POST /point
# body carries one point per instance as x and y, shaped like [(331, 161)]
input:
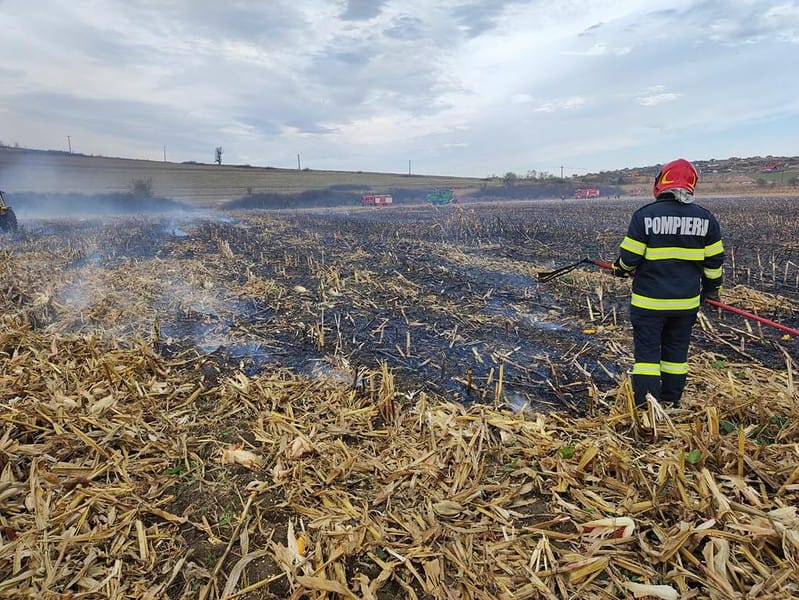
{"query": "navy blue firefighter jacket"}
[(676, 252)]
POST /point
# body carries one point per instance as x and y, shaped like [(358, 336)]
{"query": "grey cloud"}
[(55, 36), (268, 114), (250, 21), (262, 97), (143, 122), (153, 33), (313, 128), (249, 75), (479, 17), (339, 71), (405, 27), (402, 76), (362, 10), (262, 119), (103, 47), (10, 73), (356, 57), (591, 30), (385, 86), (729, 23)]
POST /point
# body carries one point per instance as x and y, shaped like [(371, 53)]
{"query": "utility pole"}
[(299, 168), (561, 171), (409, 167), (164, 153), (69, 142)]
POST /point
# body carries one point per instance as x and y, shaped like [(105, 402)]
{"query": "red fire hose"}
[(737, 311)]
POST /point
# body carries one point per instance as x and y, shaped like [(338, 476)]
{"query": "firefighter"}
[(674, 249)]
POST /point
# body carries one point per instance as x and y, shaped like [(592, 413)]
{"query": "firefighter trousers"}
[(661, 353)]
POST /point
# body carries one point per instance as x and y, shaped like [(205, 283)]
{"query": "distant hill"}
[(198, 184), (202, 185), (728, 175)]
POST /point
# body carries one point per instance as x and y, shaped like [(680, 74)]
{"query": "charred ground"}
[(446, 297)]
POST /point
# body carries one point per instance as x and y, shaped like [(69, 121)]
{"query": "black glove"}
[(618, 270), (709, 295)]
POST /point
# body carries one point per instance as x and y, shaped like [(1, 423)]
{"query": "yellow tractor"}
[(8, 220)]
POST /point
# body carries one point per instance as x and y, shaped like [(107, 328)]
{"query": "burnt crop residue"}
[(445, 298)]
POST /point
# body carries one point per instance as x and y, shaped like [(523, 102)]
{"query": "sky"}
[(449, 87)]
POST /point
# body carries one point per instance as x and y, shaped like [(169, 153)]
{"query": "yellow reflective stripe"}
[(673, 368), (633, 246), (714, 249), (664, 304), (675, 252), (713, 273), (646, 369), (624, 265)]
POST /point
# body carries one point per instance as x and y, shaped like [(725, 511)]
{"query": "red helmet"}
[(677, 174)]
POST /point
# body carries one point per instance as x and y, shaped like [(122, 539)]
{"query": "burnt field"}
[(446, 297), (386, 402)]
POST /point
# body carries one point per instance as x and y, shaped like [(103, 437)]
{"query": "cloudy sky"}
[(460, 87)]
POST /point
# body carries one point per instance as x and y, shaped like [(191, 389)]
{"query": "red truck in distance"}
[(377, 200), (585, 193)]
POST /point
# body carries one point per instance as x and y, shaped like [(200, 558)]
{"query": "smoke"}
[(52, 184), (21, 170), (120, 275), (31, 206), (174, 229)]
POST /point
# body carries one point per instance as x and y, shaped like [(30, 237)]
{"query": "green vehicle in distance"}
[(441, 196)]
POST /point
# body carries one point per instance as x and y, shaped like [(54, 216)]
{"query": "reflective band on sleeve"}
[(664, 304), (676, 253), (714, 249), (633, 246), (624, 265), (646, 369), (673, 368), (713, 273)]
